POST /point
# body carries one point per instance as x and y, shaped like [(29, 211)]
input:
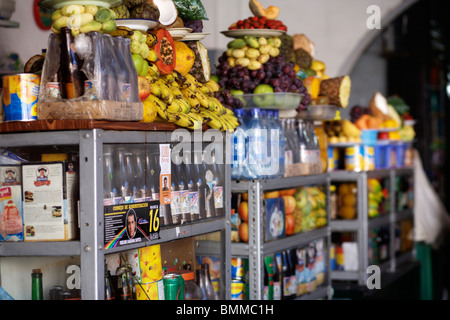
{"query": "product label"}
[(184, 201), (194, 202), (266, 293), (175, 203), (276, 291), (218, 197)]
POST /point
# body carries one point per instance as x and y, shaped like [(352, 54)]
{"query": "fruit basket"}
[(275, 100), (318, 112)]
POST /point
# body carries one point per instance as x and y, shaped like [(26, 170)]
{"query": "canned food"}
[(354, 160), (173, 289), (53, 90), (150, 291), (237, 268), (20, 96), (333, 159), (369, 157), (237, 289)]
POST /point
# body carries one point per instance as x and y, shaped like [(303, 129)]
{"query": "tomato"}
[(289, 224)]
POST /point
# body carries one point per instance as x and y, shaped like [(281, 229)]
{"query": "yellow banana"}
[(168, 78), (195, 116), (166, 93), (160, 106), (153, 70), (216, 122), (187, 93), (176, 91), (203, 88), (184, 120), (151, 39), (155, 89), (173, 117), (122, 31), (152, 56), (205, 102), (175, 106), (179, 78), (214, 86), (151, 78), (218, 107), (184, 104), (193, 102)]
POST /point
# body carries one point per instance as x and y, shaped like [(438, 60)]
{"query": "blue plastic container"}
[(369, 137), (381, 160), (400, 150)]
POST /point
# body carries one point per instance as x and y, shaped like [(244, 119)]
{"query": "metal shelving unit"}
[(90, 247), (363, 223), (256, 248)]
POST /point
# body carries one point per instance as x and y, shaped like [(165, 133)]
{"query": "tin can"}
[(89, 90), (150, 291), (173, 287), (333, 159), (369, 157), (53, 90), (354, 160), (237, 289), (20, 96), (237, 268)]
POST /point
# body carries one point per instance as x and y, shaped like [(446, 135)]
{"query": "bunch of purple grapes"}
[(305, 102), (195, 25), (228, 100), (276, 72), (357, 112)]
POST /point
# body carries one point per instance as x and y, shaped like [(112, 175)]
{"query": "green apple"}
[(138, 62), (263, 97), (238, 93), (215, 78)]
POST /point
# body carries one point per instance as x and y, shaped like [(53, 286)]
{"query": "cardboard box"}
[(11, 222), (90, 110)]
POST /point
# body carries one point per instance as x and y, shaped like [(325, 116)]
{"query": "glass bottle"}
[(184, 190), (72, 78), (288, 152), (124, 283), (175, 195), (219, 176), (36, 285), (192, 178), (201, 183), (109, 190), (304, 144), (109, 291), (142, 190), (128, 75), (208, 179), (205, 283)]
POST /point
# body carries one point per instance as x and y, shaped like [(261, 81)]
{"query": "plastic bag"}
[(191, 10)]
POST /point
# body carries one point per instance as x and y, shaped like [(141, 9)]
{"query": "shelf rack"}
[(256, 248), (362, 224), (89, 139)]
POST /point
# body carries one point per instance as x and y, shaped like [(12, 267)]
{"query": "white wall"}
[(336, 26)]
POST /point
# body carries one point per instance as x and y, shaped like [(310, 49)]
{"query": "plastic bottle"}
[(281, 144), (277, 277), (191, 290), (239, 142), (123, 176), (304, 144), (184, 191), (295, 142), (287, 276), (109, 291), (288, 153), (142, 190), (257, 146), (128, 75), (208, 179), (273, 146), (36, 285), (313, 146)]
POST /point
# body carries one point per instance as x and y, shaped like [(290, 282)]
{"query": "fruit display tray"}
[(57, 4), (253, 32), (276, 100), (137, 24), (319, 112)]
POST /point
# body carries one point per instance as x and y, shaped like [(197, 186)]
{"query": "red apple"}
[(143, 87)]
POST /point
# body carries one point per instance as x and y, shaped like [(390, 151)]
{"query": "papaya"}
[(165, 49), (185, 58)]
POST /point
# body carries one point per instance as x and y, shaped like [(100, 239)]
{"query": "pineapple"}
[(337, 90), (201, 70)]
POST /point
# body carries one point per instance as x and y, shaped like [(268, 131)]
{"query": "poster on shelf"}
[(274, 224), (165, 173), (44, 204), (130, 223), (11, 223)]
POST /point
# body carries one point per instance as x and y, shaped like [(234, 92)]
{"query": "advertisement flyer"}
[(131, 223)]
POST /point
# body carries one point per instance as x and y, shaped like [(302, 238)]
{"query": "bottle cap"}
[(255, 112), (188, 275)]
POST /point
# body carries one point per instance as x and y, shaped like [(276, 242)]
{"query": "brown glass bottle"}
[(72, 78)]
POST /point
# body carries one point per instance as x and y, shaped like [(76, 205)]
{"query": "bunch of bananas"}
[(182, 100)]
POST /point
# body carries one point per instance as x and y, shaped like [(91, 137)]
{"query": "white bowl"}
[(7, 7)]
